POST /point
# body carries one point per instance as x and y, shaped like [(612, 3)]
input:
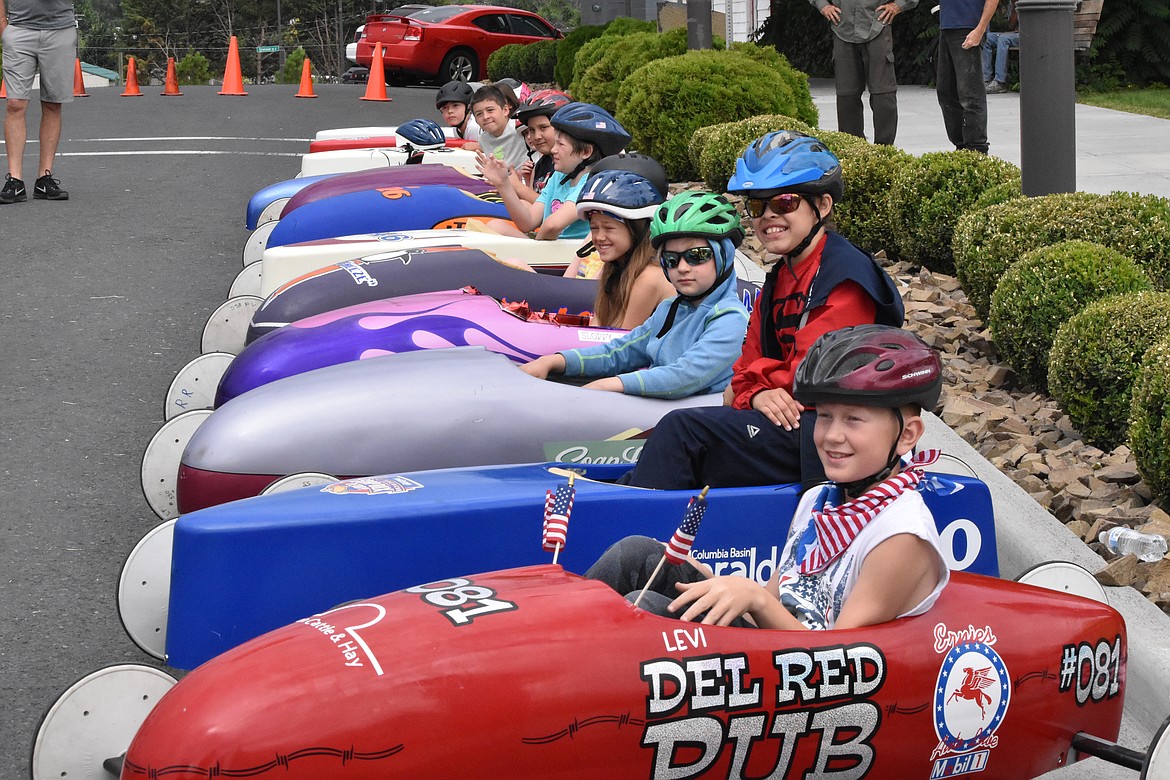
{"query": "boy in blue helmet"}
[(690, 341), (820, 283), (585, 134)]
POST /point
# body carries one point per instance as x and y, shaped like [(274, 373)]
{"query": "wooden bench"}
[(1085, 20)]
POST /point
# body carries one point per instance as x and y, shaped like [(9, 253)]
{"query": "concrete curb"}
[(1026, 534)]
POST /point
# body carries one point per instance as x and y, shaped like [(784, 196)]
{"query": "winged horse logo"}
[(972, 688)]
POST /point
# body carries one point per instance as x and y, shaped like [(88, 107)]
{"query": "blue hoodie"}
[(694, 356)]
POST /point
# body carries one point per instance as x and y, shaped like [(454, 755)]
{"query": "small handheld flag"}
[(679, 546), (557, 508)]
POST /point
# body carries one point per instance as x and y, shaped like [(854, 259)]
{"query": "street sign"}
[(267, 49)]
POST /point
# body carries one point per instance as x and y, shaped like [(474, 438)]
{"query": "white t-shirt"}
[(471, 131), (816, 599)]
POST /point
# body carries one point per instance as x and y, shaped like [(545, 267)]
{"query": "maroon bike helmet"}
[(870, 365)]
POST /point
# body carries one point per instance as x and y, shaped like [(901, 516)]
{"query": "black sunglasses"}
[(784, 203), (697, 255)]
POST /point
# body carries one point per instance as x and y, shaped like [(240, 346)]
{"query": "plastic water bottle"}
[(1127, 541)]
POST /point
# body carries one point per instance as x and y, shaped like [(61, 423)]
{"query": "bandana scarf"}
[(838, 526)]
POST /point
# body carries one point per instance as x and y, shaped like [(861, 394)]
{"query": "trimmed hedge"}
[(592, 51), (929, 196), (714, 149), (567, 49), (602, 81), (533, 62), (863, 214), (1095, 358), (1149, 421), (989, 240), (1044, 289), (662, 103)]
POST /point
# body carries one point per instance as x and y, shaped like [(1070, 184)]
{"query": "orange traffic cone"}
[(132, 89), (172, 86), (78, 80), (233, 78), (3, 90), (376, 84), (306, 81)]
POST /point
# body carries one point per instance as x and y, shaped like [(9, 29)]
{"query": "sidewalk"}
[(1115, 150)]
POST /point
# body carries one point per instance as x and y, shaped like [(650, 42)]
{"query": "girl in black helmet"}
[(862, 549), (585, 134), (454, 103)]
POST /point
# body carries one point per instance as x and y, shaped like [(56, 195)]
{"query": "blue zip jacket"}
[(694, 356)]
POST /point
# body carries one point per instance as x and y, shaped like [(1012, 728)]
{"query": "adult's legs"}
[(1004, 43), (50, 135), (962, 94), (849, 80), (883, 86), (15, 136)]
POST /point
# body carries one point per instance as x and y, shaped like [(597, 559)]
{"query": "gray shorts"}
[(51, 51)]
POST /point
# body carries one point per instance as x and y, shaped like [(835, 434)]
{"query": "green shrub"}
[(797, 80), (193, 69), (567, 49), (593, 50), (504, 62), (988, 241), (713, 150), (863, 215), (293, 64), (662, 103), (602, 81), (1095, 358), (1149, 421), (929, 196), (1045, 288), (1000, 193)]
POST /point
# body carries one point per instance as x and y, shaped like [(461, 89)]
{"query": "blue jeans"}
[(995, 48)]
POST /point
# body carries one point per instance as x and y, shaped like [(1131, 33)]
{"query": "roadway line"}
[(175, 152)]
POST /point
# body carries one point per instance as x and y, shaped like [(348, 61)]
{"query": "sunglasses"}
[(784, 203), (694, 256)]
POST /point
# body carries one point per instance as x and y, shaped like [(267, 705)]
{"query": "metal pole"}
[(340, 43), (1048, 139), (279, 36), (699, 24)]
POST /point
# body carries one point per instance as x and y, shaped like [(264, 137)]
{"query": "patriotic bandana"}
[(838, 526)]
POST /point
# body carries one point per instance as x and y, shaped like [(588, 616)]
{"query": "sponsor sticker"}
[(372, 486)]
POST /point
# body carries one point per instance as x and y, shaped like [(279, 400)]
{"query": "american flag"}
[(679, 545), (557, 507)]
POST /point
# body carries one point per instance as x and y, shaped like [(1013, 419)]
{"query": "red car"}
[(448, 42)]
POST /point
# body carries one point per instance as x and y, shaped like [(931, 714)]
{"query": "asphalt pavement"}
[(104, 298)]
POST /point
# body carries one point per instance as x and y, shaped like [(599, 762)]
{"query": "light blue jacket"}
[(694, 356)]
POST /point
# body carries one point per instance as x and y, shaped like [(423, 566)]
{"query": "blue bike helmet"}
[(787, 161), (422, 133), (642, 164), (621, 194), (593, 125)]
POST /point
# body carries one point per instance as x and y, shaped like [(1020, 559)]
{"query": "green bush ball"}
[(1149, 421), (1046, 287), (1095, 357)]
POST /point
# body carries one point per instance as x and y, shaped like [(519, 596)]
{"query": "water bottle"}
[(1127, 541)]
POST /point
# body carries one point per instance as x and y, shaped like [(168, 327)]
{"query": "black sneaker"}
[(48, 188), (13, 191)]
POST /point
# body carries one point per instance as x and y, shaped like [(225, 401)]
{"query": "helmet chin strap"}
[(720, 279), (859, 486), (803, 245)]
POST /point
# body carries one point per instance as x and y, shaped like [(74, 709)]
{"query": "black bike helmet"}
[(454, 92), (642, 164), (546, 102), (422, 133), (593, 125), (869, 365)]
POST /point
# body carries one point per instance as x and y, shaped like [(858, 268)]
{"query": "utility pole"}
[(1048, 139), (699, 24), (340, 43), (279, 37)]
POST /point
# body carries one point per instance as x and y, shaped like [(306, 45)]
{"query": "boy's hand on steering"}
[(779, 407), (723, 599)]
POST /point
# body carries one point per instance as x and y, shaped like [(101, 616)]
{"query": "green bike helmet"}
[(700, 214)]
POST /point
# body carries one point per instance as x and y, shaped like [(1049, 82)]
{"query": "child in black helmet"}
[(453, 100), (862, 549)]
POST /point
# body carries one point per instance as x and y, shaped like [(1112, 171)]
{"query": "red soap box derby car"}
[(538, 673)]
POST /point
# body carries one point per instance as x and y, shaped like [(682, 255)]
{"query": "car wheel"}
[(458, 65)]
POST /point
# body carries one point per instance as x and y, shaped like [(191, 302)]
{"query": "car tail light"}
[(412, 34)]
